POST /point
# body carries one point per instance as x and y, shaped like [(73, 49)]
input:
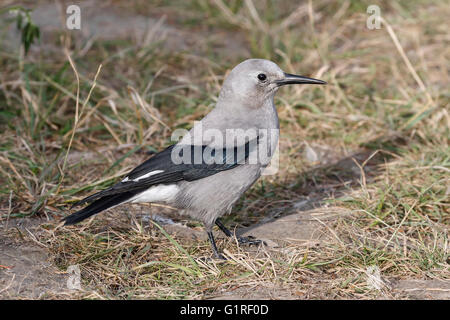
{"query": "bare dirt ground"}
[(27, 271)]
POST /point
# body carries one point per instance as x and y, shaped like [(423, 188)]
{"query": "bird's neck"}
[(224, 121), (233, 114)]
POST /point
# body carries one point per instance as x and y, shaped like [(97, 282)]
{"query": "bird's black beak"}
[(294, 79)]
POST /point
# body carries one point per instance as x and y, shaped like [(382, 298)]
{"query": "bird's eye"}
[(262, 77)]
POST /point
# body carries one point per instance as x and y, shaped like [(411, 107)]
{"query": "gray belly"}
[(209, 198)]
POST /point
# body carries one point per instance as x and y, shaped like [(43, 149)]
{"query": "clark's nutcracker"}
[(214, 163)]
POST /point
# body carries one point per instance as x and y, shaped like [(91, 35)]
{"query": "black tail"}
[(98, 206)]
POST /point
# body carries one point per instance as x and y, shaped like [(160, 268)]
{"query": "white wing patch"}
[(160, 193), (151, 173)]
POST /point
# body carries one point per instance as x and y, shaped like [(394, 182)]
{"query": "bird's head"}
[(255, 80)]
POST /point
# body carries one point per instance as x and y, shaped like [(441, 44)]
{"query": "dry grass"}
[(382, 124)]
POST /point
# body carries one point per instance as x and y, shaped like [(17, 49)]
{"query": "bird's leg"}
[(224, 229), (217, 254), (242, 240)]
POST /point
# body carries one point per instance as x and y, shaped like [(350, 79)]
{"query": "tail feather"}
[(92, 197), (98, 206)]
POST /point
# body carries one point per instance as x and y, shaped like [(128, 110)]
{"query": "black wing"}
[(171, 172)]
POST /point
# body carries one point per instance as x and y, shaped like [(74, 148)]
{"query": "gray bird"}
[(214, 163)]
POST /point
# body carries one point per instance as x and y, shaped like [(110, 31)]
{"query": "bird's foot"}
[(241, 240), (217, 258), (250, 241)]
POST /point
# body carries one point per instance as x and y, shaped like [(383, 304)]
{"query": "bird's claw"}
[(250, 241)]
